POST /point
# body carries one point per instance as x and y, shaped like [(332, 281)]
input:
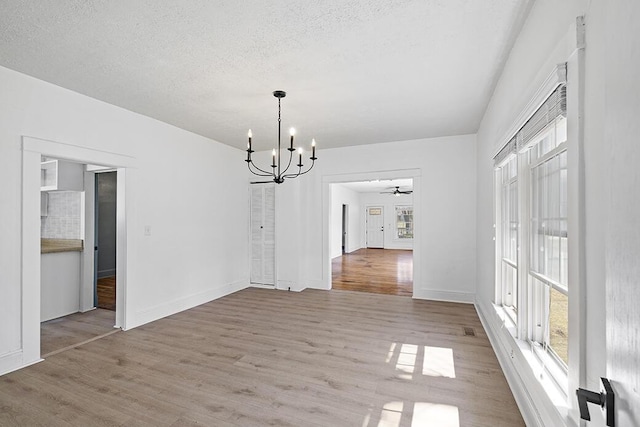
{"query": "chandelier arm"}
[(292, 175), (264, 173), (313, 162), (288, 165), (300, 171)]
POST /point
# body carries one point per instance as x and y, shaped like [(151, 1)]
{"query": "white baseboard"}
[(318, 284), (184, 303), (290, 285), (449, 296), (13, 361)]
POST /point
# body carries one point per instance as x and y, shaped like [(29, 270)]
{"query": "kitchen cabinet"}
[(59, 284), (61, 175)]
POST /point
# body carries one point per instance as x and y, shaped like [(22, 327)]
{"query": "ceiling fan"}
[(397, 191)]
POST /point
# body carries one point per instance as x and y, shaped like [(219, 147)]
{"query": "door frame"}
[(32, 151), (327, 180), (93, 176)]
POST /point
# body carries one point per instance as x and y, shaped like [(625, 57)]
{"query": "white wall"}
[(546, 40), (341, 195), (389, 203), (192, 192), (622, 184), (444, 178)]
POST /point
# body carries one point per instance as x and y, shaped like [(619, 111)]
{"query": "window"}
[(404, 222), (548, 254), (531, 231), (509, 230)]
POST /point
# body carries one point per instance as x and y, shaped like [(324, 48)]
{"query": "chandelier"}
[(277, 173)]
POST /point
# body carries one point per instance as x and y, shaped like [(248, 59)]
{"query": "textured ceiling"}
[(355, 72)]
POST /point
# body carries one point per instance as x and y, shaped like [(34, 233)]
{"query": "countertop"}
[(49, 246)]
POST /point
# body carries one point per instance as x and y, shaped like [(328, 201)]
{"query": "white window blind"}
[(554, 107)]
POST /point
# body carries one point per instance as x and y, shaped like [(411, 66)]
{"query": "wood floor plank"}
[(264, 357), (380, 271), (66, 331), (106, 293)]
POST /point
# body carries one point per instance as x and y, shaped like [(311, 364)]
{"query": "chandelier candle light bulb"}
[(277, 174), (292, 132)]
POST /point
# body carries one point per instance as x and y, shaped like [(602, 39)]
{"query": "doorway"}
[(32, 151), (345, 226), (75, 204), (106, 191), (369, 222)]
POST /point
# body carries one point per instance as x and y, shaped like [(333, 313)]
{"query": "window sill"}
[(549, 376)]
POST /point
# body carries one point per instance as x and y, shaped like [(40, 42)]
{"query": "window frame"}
[(531, 322), (509, 305), (397, 229), (539, 304)]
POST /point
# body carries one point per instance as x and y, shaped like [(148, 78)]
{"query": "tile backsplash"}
[(65, 216)]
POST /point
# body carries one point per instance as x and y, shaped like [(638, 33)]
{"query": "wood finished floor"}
[(106, 289), (262, 357), (61, 333), (380, 271)]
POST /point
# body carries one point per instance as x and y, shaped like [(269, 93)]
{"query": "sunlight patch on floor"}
[(433, 414), (407, 360), (392, 350), (438, 362), (391, 414)]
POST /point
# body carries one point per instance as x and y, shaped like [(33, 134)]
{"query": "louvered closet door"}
[(263, 227)]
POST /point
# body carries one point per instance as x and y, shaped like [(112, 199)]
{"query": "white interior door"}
[(375, 227), (263, 234)]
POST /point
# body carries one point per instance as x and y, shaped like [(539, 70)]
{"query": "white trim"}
[(77, 153), (32, 150), (531, 387), (557, 77), (576, 222), (327, 180), (13, 361), (448, 296)]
